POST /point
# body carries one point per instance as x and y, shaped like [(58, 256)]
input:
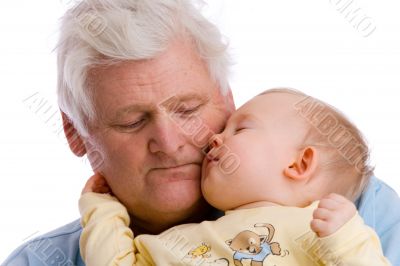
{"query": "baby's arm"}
[(343, 236), (106, 238)]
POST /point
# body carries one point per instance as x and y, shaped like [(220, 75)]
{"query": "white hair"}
[(103, 32)]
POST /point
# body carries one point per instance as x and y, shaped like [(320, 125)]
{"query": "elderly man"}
[(142, 85)]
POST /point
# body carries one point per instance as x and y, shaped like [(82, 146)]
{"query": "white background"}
[(308, 45)]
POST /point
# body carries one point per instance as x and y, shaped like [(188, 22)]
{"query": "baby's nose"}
[(213, 150), (215, 141)]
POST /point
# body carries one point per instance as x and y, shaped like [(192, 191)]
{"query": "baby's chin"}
[(212, 193)]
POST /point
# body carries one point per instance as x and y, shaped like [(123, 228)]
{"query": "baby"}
[(285, 170)]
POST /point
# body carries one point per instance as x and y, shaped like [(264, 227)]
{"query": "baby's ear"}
[(304, 166)]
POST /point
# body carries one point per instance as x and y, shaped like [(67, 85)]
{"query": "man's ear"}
[(304, 166), (75, 141)]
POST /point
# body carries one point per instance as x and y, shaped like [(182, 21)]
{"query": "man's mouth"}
[(174, 166), (188, 171)]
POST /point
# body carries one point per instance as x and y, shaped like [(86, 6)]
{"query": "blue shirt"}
[(379, 206), (260, 257)]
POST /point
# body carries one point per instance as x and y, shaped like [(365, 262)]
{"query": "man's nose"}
[(166, 137)]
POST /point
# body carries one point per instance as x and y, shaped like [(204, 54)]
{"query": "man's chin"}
[(179, 196), (175, 189), (173, 212)]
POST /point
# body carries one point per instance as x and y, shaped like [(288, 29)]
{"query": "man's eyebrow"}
[(175, 99), (187, 97), (138, 107)]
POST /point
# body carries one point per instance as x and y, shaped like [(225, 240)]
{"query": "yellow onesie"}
[(273, 236)]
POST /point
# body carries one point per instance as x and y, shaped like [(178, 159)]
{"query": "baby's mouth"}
[(212, 157)]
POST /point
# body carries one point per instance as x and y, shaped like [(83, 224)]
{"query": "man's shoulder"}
[(58, 247), (377, 205)]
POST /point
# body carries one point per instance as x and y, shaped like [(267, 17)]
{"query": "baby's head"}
[(287, 148)]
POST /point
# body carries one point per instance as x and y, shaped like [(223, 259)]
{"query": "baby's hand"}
[(96, 183), (333, 212)]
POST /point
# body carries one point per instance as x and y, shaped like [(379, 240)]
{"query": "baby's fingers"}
[(322, 214), (96, 183), (320, 227), (329, 204)]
